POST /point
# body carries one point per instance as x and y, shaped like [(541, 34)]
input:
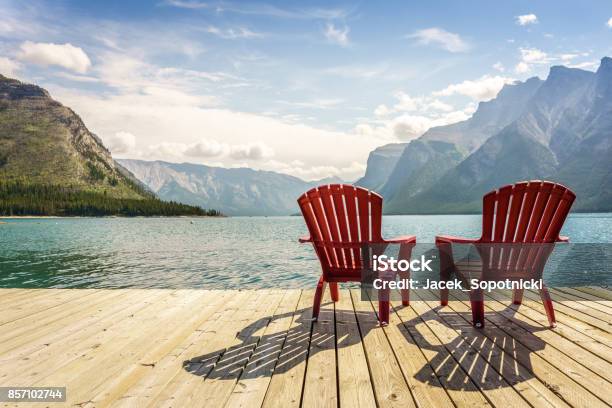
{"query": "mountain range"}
[(559, 129), (237, 191)]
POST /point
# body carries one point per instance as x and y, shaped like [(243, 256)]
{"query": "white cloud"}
[(233, 33), (591, 65), (349, 172), (484, 88), (262, 9), (568, 57), (407, 103), (609, 23), (64, 55), (76, 77), (120, 142), (337, 35), (534, 56), (408, 127), (526, 19), (251, 151), (382, 110), (206, 148), (499, 66), (522, 68), (320, 103), (363, 129), (167, 150), (438, 105), (530, 56), (9, 67), (449, 41)]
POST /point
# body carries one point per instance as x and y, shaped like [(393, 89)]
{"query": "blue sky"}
[(306, 88)]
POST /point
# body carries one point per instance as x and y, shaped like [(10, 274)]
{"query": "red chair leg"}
[(446, 266), (444, 297), (316, 306), (548, 306), (477, 301), (405, 253), (383, 306), (405, 292), (517, 296), (383, 312), (333, 288)]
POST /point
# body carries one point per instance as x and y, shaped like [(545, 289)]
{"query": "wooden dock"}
[(190, 348)]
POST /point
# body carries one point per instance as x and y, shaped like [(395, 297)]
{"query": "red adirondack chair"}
[(341, 219), (520, 224)]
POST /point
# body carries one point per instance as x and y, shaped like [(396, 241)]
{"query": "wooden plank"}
[(232, 354), (142, 392), (414, 364), (573, 298), (447, 372), (390, 387), (577, 337), (100, 364), (502, 354), (13, 297), (354, 385), (556, 371), (582, 295), (33, 328), (468, 354), (250, 390), (427, 359), (572, 343), (219, 383), (567, 316), (285, 389), (320, 380), (51, 299), (57, 348), (604, 294), (216, 335), (109, 391), (575, 310)]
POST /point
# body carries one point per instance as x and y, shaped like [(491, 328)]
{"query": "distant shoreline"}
[(34, 217)]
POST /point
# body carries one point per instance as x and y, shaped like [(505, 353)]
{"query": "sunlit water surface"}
[(238, 252)]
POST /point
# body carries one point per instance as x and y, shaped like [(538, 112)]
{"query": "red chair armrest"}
[(304, 239), (403, 239), (449, 239), (562, 239)]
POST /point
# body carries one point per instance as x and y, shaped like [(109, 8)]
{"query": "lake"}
[(214, 253)]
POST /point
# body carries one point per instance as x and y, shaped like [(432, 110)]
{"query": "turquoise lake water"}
[(240, 252)]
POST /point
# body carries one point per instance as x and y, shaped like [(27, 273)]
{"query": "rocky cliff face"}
[(425, 160), (381, 163), (44, 142), (563, 134)]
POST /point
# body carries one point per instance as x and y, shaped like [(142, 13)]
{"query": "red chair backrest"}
[(526, 212), (341, 218), (522, 222)]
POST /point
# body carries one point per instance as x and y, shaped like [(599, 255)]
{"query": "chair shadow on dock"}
[(460, 355)]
